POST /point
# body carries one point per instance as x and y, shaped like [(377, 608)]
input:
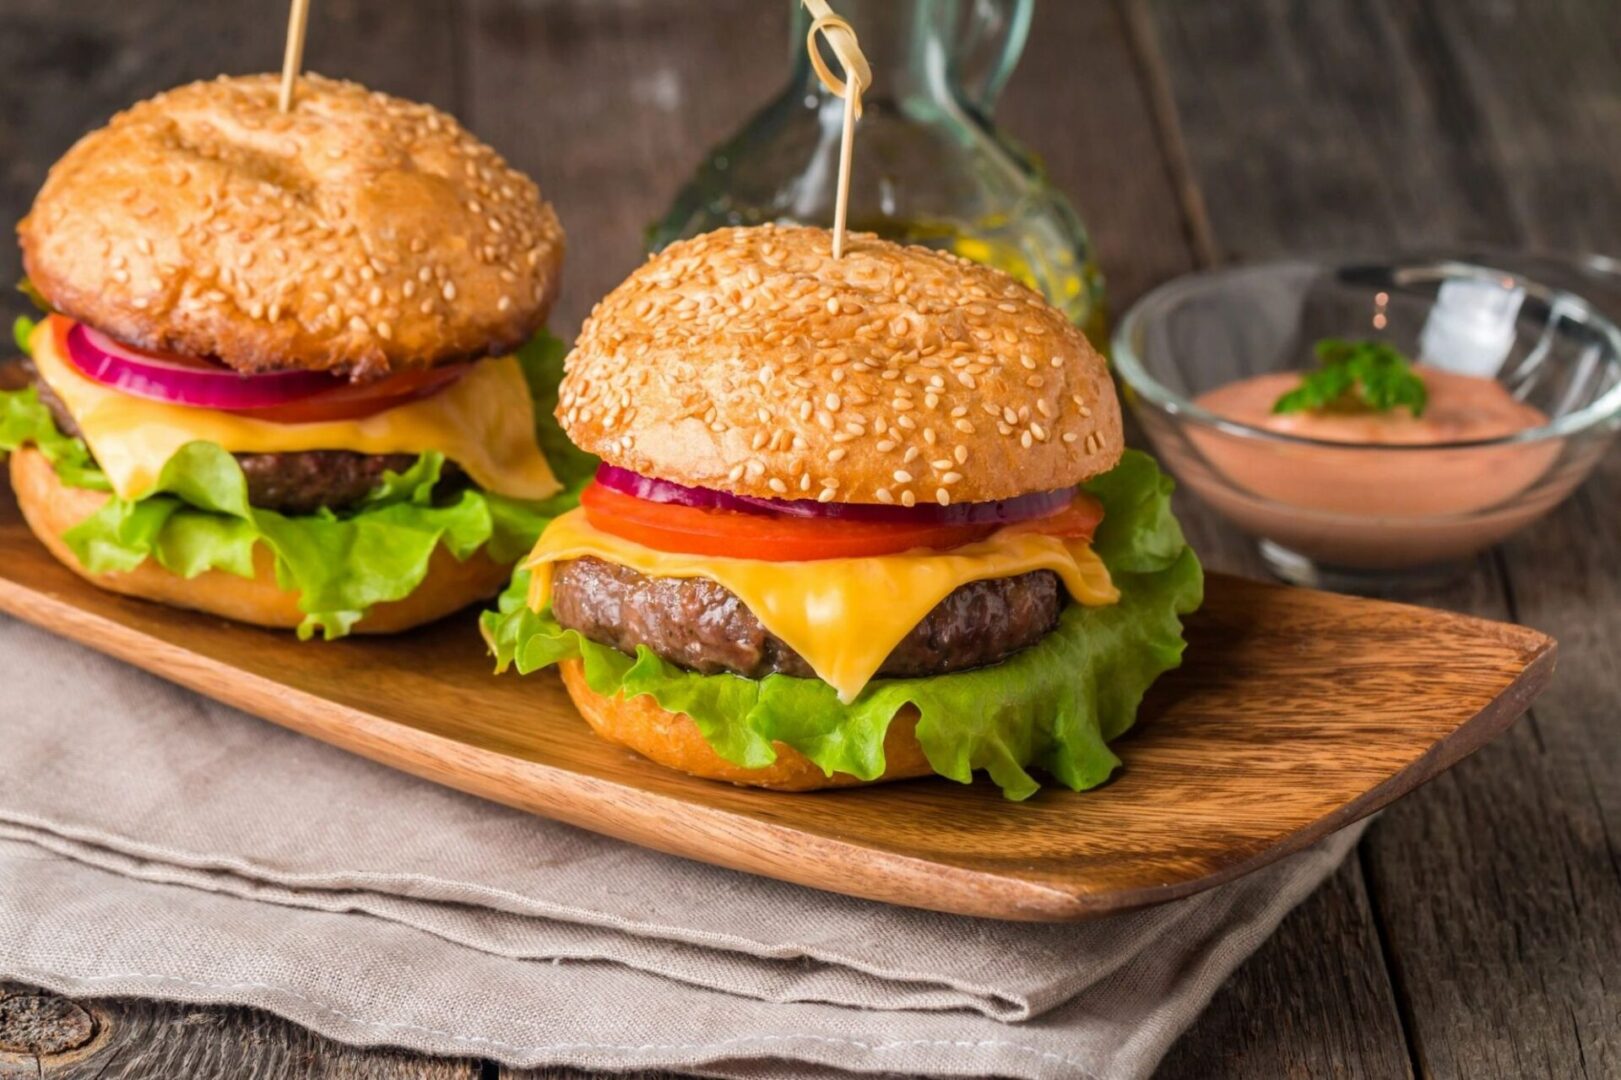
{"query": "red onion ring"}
[(177, 382), (1001, 512)]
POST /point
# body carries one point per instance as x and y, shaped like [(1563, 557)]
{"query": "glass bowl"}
[(1362, 516)]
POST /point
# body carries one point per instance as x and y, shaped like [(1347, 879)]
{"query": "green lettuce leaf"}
[(1054, 706), (197, 516)]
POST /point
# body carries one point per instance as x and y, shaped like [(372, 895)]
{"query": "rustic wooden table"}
[(1477, 932)]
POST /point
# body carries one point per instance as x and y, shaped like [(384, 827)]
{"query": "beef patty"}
[(300, 482), (698, 624)]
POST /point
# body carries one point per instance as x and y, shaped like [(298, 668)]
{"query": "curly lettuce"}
[(197, 517), (1053, 707)]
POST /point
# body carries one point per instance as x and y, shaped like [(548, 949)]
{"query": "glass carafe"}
[(929, 165)]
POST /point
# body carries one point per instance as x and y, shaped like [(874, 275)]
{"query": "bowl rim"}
[(1136, 377)]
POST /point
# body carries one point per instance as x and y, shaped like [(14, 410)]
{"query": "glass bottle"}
[(929, 165)]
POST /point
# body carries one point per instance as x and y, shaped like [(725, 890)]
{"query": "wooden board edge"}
[(1467, 738), (711, 835), (719, 836)]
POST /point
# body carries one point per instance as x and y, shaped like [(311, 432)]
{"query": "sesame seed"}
[(884, 496), (942, 496), (1070, 436), (902, 476), (908, 499), (836, 454), (777, 485)]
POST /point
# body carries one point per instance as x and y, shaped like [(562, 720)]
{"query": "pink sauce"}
[(1371, 505)]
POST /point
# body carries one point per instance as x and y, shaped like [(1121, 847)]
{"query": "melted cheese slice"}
[(844, 616), (484, 422)]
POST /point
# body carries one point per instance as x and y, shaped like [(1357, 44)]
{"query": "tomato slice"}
[(352, 402), (1077, 521), (730, 534)]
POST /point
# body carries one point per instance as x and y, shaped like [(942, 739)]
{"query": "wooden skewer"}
[(841, 38), (298, 20)]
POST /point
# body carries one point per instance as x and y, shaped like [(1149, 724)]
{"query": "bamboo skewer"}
[(841, 38), (298, 20)]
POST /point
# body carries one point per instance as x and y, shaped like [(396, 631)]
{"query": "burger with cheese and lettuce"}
[(292, 364), (856, 519)]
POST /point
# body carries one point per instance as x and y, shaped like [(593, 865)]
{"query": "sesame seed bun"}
[(674, 741), (749, 360), (51, 508), (359, 233)]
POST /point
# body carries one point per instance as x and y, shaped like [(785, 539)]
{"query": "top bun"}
[(358, 233), (749, 360)]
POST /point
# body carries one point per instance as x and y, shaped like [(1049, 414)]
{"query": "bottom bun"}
[(673, 740), (51, 508)]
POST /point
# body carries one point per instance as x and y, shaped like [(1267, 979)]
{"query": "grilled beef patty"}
[(300, 482), (698, 624)]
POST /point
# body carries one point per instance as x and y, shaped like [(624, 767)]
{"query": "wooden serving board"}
[(1296, 713)]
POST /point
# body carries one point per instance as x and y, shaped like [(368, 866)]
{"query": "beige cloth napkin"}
[(155, 843)]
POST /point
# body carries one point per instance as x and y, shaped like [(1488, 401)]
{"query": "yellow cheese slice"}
[(484, 422), (844, 616)]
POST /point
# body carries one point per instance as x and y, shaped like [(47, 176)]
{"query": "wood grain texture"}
[(1314, 1001), (131, 1039), (1296, 712)]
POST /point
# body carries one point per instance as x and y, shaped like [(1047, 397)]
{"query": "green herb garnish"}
[(1356, 376), (22, 330)]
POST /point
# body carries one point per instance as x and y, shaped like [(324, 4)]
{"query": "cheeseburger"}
[(288, 364), (856, 519)]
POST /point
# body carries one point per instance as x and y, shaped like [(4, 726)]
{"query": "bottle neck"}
[(906, 42)]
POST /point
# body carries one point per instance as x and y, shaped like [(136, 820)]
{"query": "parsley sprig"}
[(1356, 376)]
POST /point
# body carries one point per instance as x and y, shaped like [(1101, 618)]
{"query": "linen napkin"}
[(155, 843)]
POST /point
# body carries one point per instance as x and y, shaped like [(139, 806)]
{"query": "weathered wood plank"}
[(1539, 845), (46, 1037), (1272, 1018), (1382, 126)]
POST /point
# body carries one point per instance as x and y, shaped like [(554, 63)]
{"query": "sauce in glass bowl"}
[(1524, 396), (1461, 409)]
